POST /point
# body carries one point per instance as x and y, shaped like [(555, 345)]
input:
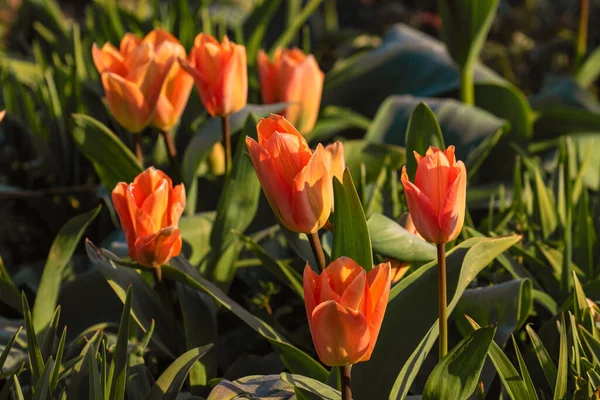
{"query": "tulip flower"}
[(436, 200), (178, 83), (2, 114), (345, 306), (133, 78), (149, 210), (297, 181), (295, 78), (220, 73)]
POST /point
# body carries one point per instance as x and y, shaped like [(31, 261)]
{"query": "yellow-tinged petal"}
[(126, 102)]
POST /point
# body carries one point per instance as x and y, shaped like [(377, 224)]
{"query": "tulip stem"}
[(442, 301), (227, 143), (346, 382), (137, 148), (172, 152), (317, 249)]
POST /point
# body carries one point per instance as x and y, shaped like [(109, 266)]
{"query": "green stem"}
[(442, 301), (172, 153), (582, 33), (137, 148), (467, 88), (226, 143), (315, 245), (331, 16), (346, 382)]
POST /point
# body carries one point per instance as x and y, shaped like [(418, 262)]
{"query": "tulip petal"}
[(379, 289), (276, 123), (432, 178), (267, 73), (309, 280), (156, 249), (129, 43), (337, 164), (156, 203), (119, 198), (343, 271), (287, 155), (452, 214), (424, 215), (126, 102), (233, 82), (356, 292), (340, 335), (177, 203), (276, 189), (326, 292), (108, 59)]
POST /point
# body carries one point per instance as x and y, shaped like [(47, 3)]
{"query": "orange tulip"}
[(149, 210), (178, 84), (220, 73), (436, 201), (297, 181), (296, 78), (133, 78), (2, 114), (345, 306)]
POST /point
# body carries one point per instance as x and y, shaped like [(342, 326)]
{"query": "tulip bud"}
[(149, 210), (220, 73), (295, 78), (297, 181), (345, 306), (133, 79), (216, 160), (436, 200), (178, 83)]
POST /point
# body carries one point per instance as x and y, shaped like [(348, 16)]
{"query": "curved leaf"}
[(422, 131)]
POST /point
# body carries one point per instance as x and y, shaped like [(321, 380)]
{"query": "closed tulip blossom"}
[(149, 210), (436, 199), (220, 73), (133, 77), (295, 78), (296, 180), (345, 306)]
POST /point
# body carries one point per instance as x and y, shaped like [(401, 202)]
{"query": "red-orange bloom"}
[(436, 200), (133, 78), (149, 210), (296, 181), (296, 78), (220, 73), (345, 306), (2, 114)]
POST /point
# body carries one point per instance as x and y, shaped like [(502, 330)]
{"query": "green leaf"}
[(390, 239), (236, 210), (96, 392), (589, 71), (472, 130), (550, 371), (507, 304), (8, 291), (169, 383), (513, 383), (422, 131), (333, 120), (560, 390), (43, 384), (284, 273), (146, 305), (375, 378), (60, 254), (117, 374), (49, 336), (255, 27), (59, 360), (457, 374), (36, 362), (350, 232), (294, 25), (112, 160), (7, 347), (524, 371), (311, 386), (374, 157), (465, 25)]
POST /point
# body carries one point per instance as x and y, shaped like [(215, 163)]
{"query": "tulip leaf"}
[(422, 131), (112, 160), (146, 305), (117, 374), (457, 374), (389, 239), (375, 378), (472, 130), (310, 386), (36, 362), (355, 83), (333, 120), (350, 232), (513, 383), (60, 254), (169, 383), (236, 210), (210, 133), (560, 389), (465, 25), (507, 304), (374, 156)]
